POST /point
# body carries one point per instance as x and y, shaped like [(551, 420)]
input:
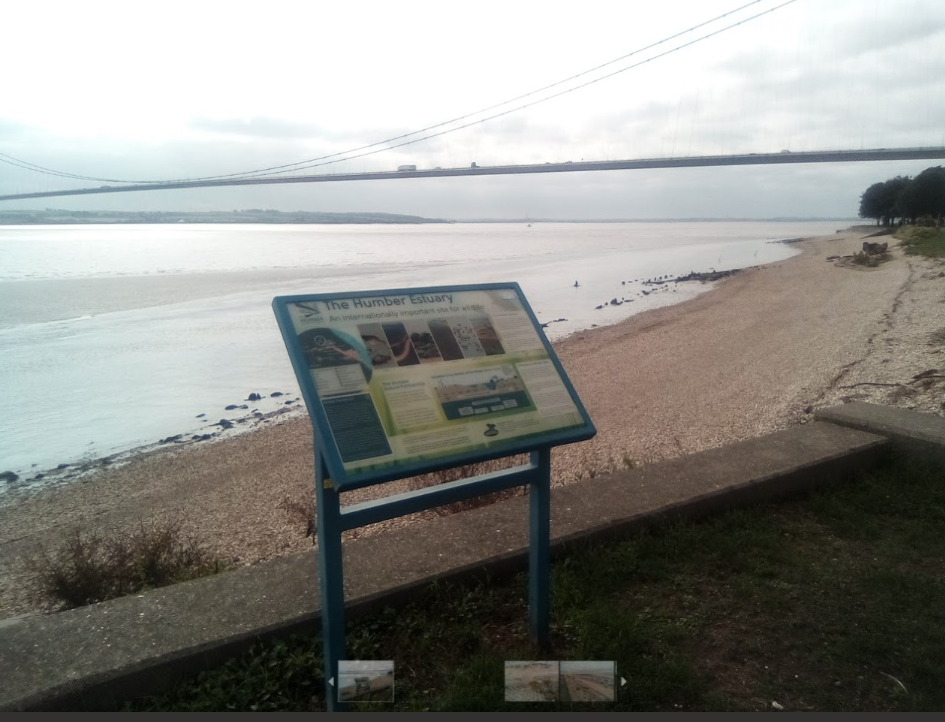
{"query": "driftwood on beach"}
[(708, 276), (692, 276), (874, 249)]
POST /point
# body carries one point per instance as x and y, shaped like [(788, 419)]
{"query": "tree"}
[(871, 202), (924, 195), (882, 200)]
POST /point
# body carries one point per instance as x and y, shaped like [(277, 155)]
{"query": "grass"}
[(88, 568), (835, 601), (922, 241)]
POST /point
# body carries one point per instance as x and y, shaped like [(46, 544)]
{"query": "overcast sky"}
[(184, 89)]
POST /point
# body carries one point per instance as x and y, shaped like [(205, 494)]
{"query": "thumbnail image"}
[(423, 341), (531, 681), (487, 335), (325, 347), (377, 347), (365, 680), (590, 681), (467, 394), (478, 384), (466, 337), (400, 344), (445, 340)]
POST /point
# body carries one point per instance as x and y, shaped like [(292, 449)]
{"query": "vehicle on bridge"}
[(406, 167)]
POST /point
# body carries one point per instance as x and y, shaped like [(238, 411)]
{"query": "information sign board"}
[(404, 381)]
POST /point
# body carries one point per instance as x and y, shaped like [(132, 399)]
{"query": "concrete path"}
[(919, 435)]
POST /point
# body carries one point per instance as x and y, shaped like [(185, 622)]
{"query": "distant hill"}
[(62, 217), (781, 219)]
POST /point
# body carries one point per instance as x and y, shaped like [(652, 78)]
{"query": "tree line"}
[(905, 200)]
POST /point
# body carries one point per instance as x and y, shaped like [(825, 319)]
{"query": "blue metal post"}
[(539, 542), (331, 574)]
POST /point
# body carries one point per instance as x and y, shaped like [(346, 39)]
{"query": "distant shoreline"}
[(57, 217), (784, 219)]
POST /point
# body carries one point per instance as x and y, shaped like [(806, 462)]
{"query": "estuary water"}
[(113, 337)]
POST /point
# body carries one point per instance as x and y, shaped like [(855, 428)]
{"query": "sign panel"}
[(399, 382)]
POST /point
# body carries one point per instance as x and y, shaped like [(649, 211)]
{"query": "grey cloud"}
[(850, 31), (866, 36), (520, 126), (258, 127), (890, 106), (12, 130), (275, 128)]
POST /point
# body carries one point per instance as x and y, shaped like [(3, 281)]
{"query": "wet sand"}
[(758, 353)]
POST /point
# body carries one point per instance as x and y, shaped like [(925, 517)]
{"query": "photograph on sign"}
[(587, 681), (365, 680), (530, 681), (409, 377)]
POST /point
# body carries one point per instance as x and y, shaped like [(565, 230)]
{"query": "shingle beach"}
[(758, 353)]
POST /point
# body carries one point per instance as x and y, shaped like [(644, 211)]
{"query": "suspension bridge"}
[(781, 158)]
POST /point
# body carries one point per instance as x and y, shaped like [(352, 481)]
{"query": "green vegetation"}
[(835, 601), (89, 568), (906, 199), (923, 241)]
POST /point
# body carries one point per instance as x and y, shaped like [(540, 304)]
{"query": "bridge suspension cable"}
[(402, 140)]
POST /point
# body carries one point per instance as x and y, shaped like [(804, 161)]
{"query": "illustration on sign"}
[(410, 377)]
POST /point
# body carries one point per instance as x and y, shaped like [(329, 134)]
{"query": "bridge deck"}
[(782, 158)]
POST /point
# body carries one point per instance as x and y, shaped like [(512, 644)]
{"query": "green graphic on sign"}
[(406, 378)]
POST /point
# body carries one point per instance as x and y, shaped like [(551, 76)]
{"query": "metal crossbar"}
[(333, 519)]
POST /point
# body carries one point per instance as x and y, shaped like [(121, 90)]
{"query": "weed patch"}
[(869, 260), (300, 510), (88, 568)]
